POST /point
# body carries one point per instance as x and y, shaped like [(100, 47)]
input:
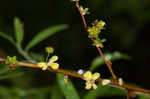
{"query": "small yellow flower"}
[(100, 24), (94, 32), (42, 65), (49, 50), (52, 63), (90, 79)]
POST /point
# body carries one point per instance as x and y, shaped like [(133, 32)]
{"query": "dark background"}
[(127, 31)]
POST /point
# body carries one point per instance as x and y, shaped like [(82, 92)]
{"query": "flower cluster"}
[(95, 30), (51, 63), (11, 60), (90, 79)]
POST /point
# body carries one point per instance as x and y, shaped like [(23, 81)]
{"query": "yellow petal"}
[(41, 64), (54, 66), (44, 67), (95, 76), (53, 58), (87, 75), (94, 86), (88, 85)]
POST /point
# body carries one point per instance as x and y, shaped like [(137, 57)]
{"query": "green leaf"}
[(9, 38), (22, 93), (110, 90), (143, 95), (45, 34), (37, 56), (67, 88), (98, 61), (6, 76), (105, 91), (56, 93), (4, 70), (19, 31)]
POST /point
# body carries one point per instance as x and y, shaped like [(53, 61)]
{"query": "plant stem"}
[(47, 57), (107, 62), (74, 74)]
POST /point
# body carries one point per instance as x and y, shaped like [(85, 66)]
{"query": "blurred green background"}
[(127, 31)]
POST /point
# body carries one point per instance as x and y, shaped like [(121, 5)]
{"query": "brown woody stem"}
[(74, 74)]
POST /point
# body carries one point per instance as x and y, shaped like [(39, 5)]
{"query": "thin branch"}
[(107, 62), (74, 74)]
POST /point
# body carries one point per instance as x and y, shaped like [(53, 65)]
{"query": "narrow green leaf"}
[(45, 34), (4, 70), (10, 75), (67, 88), (37, 56), (143, 95), (105, 91), (9, 38), (19, 31), (98, 61), (56, 92)]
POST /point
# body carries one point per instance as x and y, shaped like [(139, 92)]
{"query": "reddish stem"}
[(107, 62)]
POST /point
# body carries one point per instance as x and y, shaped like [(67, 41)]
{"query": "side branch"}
[(107, 62), (74, 74)]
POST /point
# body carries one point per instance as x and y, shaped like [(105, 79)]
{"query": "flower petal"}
[(95, 76), (41, 64), (94, 86), (87, 75), (54, 66), (53, 58), (44, 67), (88, 85)]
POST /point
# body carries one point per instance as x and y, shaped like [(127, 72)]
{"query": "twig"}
[(74, 74), (107, 62)]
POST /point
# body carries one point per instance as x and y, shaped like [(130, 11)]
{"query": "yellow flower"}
[(90, 79), (100, 24), (52, 63), (93, 32), (42, 65)]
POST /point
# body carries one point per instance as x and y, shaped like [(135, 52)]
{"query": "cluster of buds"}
[(49, 50), (84, 11), (11, 60), (95, 30)]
